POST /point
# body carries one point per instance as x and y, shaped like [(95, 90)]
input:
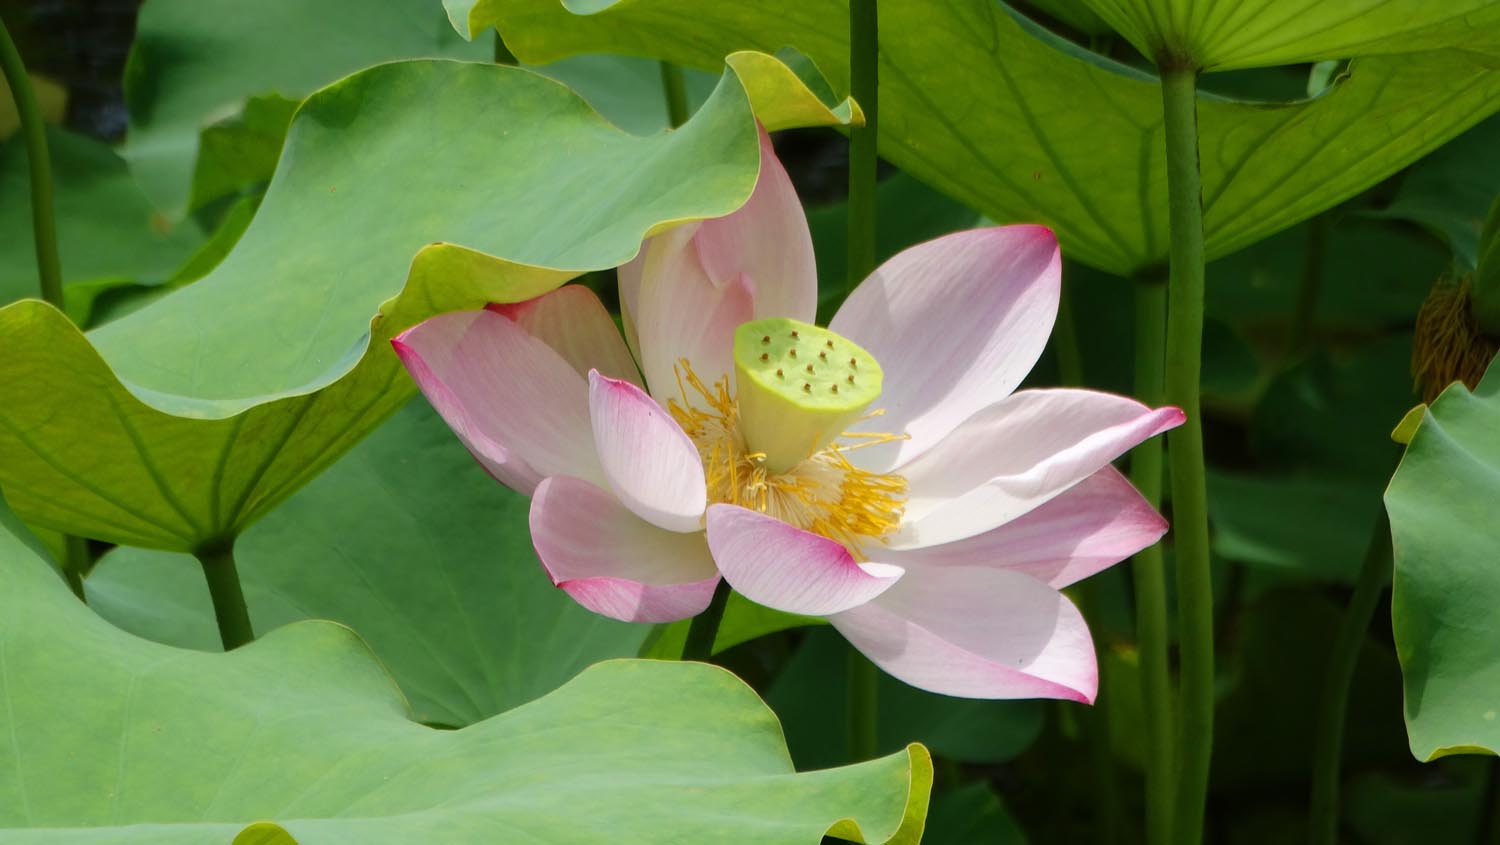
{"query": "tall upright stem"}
[(1065, 342), (228, 598), (674, 90), (1149, 570), (43, 221), (704, 629), (864, 75), (1185, 450), (1328, 738)]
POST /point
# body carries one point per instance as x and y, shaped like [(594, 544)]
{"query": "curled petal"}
[(783, 567), (614, 563), (956, 323), (1087, 528), (651, 464), (973, 632), (520, 408), (574, 323), (1016, 455)]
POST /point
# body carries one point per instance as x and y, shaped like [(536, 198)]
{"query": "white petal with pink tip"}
[(614, 563), (766, 239), (520, 408), (1015, 455), (1087, 528), (783, 567), (977, 633), (574, 323), (956, 323), (651, 464)]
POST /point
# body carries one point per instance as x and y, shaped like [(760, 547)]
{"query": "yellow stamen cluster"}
[(824, 494)]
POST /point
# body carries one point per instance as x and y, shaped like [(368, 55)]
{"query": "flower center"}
[(818, 490)]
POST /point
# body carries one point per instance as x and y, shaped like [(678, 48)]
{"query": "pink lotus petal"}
[(519, 407), (612, 562), (783, 567), (681, 313), (977, 633), (1087, 528), (1013, 456), (574, 323), (766, 239), (651, 464), (956, 323)]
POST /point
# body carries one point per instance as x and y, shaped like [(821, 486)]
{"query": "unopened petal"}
[(614, 563), (651, 464), (783, 567), (977, 633)]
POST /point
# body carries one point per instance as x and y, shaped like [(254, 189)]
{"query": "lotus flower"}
[(881, 472)]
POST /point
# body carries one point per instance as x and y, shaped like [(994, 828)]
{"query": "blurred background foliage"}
[(1306, 371)]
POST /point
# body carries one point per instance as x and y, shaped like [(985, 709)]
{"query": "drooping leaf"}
[(1225, 34), (1447, 578), (407, 541), (182, 423), (189, 70), (1025, 127), (108, 234), (302, 738), (1451, 191)]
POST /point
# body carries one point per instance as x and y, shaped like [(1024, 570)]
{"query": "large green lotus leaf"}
[(1226, 34), (1447, 576), (301, 737), (405, 190), (407, 541), (1024, 126), (108, 234), (196, 62)]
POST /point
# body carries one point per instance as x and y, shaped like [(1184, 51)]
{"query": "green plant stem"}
[(43, 220), (1185, 452), (864, 687), (1328, 738), (1065, 342), (674, 88), (864, 74), (1149, 570), (228, 598), (699, 644)]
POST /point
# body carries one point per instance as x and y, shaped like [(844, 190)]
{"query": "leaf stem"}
[(1304, 319), (674, 88), (43, 221), (1149, 570), (1328, 737), (863, 715), (704, 629), (228, 597), (864, 75), (1185, 450)]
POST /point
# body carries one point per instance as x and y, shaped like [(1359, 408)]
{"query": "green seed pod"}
[(799, 387)]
